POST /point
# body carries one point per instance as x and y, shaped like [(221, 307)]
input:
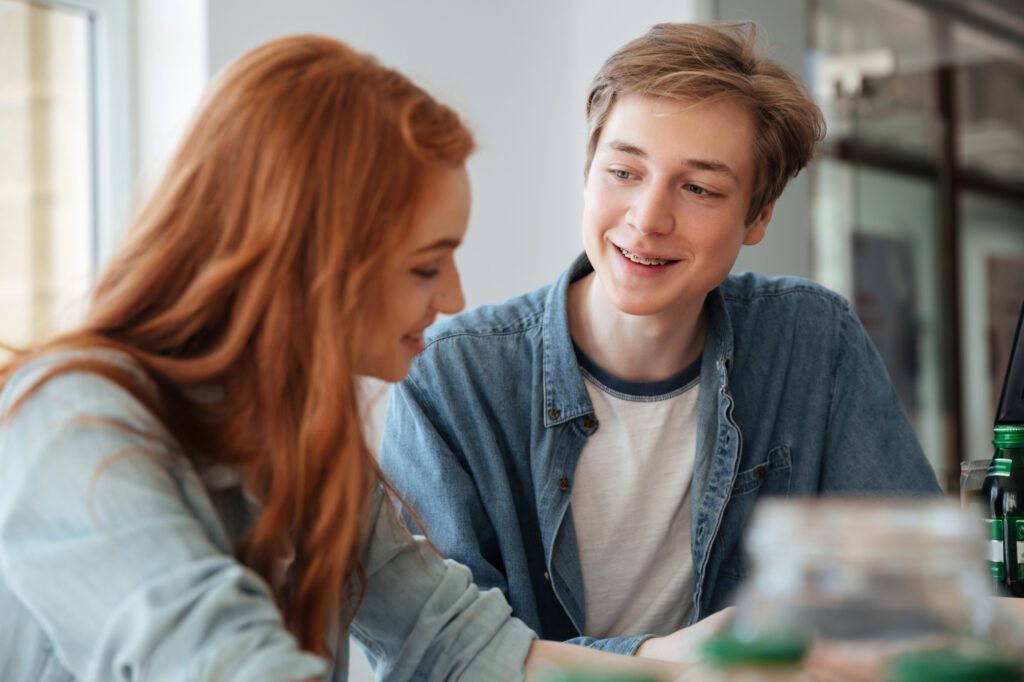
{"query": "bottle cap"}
[(947, 665), (726, 649), (1008, 436)]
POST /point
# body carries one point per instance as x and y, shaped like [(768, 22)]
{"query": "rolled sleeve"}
[(422, 618), (627, 646)]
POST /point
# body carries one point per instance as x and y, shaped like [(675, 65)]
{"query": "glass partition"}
[(919, 198)]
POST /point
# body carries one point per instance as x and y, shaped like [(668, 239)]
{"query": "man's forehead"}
[(715, 135)]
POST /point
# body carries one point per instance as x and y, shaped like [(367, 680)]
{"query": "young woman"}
[(187, 493)]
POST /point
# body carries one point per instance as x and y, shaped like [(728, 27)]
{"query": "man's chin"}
[(637, 306)]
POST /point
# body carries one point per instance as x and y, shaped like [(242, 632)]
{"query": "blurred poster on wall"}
[(1005, 293), (886, 301)]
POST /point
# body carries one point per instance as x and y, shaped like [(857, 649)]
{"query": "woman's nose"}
[(450, 299)]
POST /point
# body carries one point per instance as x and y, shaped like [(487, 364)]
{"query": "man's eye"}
[(695, 189), (426, 273), (621, 174)]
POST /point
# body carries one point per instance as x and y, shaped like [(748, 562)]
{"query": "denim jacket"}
[(116, 563), (483, 436)]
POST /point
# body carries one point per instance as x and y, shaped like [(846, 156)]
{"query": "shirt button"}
[(589, 422), (547, 577), (563, 484), (553, 413), (760, 473)]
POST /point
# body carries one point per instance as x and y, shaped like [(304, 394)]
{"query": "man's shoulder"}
[(784, 310), (754, 286), (487, 350), (516, 315), (750, 295), (491, 342)]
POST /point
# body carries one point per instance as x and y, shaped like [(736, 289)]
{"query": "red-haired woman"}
[(186, 489)]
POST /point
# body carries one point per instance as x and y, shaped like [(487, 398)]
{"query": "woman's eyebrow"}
[(446, 243)]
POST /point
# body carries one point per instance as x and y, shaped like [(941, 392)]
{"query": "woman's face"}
[(423, 281)]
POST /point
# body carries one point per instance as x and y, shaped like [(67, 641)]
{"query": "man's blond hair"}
[(705, 61)]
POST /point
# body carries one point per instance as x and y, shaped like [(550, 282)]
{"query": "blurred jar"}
[(767, 659), (866, 580), (951, 666)]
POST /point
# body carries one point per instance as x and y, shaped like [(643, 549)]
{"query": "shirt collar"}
[(718, 344), (565, 394)]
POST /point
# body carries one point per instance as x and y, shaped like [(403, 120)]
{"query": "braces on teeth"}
[(641, 260)]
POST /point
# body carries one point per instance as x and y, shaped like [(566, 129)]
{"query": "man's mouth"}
[(643, 261)]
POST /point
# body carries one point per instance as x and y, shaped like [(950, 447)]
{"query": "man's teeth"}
[(640, 259)]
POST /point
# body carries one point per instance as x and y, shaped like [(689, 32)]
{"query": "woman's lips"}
[(414, 343)]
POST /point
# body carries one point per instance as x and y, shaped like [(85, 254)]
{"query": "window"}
[(63, 171), (919, 199)]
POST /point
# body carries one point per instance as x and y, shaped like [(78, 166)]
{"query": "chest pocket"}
[(770, 477)]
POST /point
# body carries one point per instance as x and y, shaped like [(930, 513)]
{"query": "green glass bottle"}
[(769, 658), (1003, 489), (1003, 493)]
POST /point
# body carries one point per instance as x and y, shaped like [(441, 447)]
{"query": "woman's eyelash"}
[(426, 273)]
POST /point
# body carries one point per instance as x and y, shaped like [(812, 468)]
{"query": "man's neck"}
[(634, 347)]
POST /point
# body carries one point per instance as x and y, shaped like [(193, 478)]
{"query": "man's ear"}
[(756, 230)]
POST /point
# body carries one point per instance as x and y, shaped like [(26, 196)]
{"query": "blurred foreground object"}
[(1003, 490), (865, 589)]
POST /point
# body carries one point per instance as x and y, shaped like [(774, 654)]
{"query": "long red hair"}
[(252, 270)]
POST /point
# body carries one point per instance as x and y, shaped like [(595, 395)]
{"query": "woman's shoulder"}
[(74, 394), (82, 377)]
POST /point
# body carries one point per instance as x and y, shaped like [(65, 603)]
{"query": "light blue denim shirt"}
[(483, 436), (116, 563)]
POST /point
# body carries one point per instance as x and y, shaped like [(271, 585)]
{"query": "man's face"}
[(666, 200)]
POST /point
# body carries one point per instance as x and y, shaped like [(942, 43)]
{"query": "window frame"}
[(112, 139)]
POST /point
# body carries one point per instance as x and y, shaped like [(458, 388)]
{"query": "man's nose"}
[(651, 211)]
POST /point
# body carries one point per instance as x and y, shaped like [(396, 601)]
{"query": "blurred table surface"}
[(1012, 606)]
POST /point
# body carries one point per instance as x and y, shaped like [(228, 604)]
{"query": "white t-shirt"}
[(631, 503)]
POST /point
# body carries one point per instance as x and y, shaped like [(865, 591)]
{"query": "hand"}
[(683, 646), (546, 659)]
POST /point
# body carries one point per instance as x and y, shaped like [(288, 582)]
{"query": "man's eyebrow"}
[(696, 164), (627, 148), (447, 243), (713, 166)]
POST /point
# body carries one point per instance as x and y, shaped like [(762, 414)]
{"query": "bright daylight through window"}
[(46, 178)]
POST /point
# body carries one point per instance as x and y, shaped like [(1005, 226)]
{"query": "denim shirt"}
[(483, 437), (116, 563)]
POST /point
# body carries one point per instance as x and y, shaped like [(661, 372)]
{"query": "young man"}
[(594, 448)]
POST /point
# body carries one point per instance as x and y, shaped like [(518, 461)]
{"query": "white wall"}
[(517, 71), (788, 247), (171, 68)]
